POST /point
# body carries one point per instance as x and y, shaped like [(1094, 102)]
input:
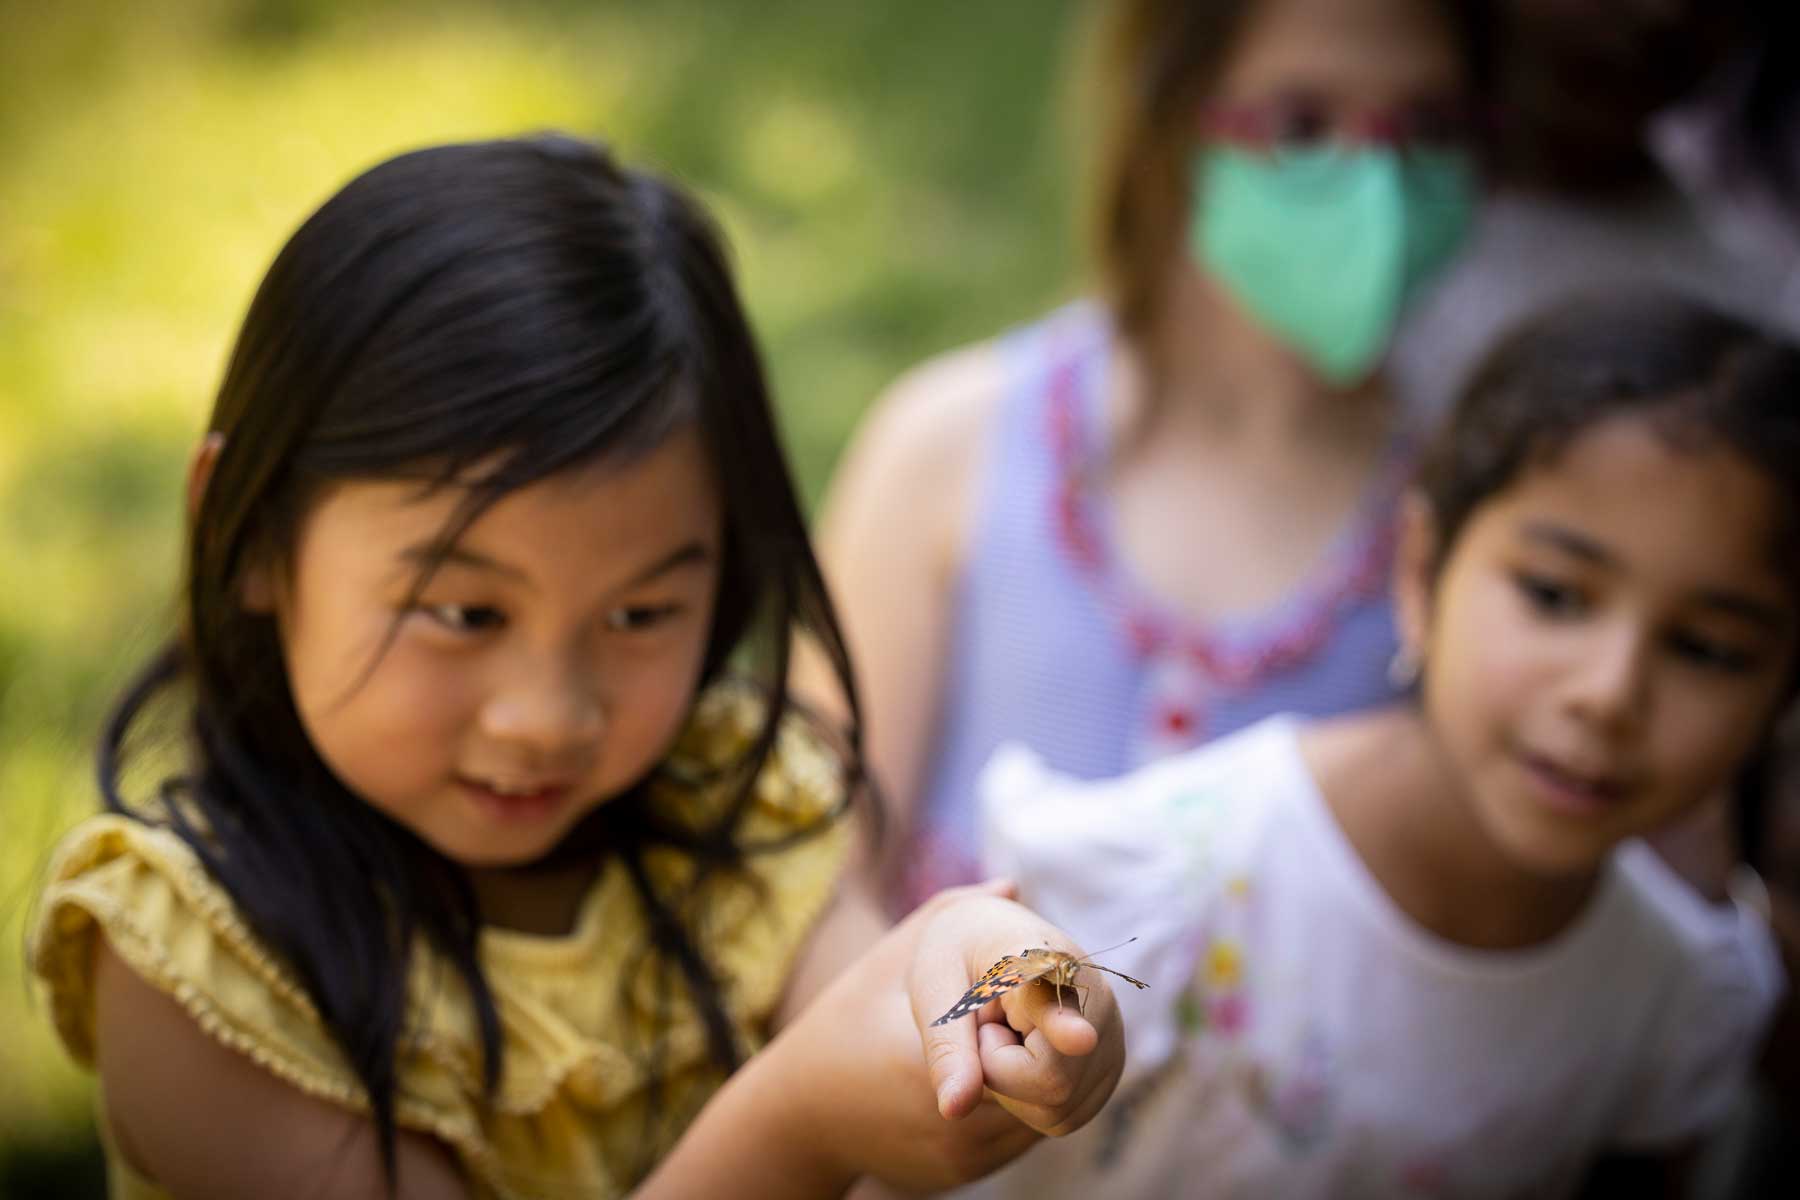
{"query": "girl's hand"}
[(1039, 1058), (872, 1105), (933, 1107), (858, 1084)]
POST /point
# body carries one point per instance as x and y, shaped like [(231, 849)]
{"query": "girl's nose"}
[(1610, 686), (551, 710)]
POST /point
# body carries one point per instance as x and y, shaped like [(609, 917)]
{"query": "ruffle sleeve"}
[(144, 890)]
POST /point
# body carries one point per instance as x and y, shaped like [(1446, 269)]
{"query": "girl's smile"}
[(522, 804), (1577, 793)]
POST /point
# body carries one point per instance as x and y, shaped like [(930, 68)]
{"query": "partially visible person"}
[(1733, 146), (1644, 144), (464, 841), (1423, 951), (1164, 512)]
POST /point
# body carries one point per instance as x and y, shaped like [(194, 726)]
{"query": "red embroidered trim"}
[(1177, 721), (1148, 631)]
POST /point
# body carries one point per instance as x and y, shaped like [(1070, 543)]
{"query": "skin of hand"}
[(860, 1084), (1036, 1055)]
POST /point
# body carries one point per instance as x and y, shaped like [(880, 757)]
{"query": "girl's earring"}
[(1403, 669)]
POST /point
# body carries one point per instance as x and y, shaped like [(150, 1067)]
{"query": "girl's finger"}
[(1057, 1120), (1036, 1006), (1068, 1032), (1031, 1072), (992, 1035), (951, 1057)]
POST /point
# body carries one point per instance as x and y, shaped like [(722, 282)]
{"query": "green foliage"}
[(890, 174)]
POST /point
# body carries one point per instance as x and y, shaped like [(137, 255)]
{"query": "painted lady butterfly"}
[(1055, 967)]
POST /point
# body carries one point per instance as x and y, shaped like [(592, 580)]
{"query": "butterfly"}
[(1055, 967)]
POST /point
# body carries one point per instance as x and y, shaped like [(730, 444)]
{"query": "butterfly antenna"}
[(1115, 946), (1137, 983)]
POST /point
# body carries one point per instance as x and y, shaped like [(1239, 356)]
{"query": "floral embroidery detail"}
[(1193, 798), (1178, 721), (1229, 1014), (1190, 1012), (1224, 965), (1294, 1098)]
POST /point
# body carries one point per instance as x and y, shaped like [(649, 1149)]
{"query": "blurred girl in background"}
[(1162, 513)]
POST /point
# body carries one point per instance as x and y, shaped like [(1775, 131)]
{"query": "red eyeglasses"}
[(1307, 122)]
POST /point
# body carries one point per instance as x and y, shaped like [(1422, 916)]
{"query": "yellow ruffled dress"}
[(569, 1117)]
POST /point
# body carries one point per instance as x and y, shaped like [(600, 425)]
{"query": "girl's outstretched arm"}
[(204, 1121), (861, 1084)]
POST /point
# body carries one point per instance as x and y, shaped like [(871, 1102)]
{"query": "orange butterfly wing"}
[(1000, 979)]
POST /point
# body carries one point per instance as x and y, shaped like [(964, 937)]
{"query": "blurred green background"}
[(894, 174)]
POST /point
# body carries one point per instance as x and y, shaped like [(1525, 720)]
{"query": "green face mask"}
[(1326, 245)]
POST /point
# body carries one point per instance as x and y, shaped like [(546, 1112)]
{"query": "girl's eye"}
[(465, 618), (635, 617), (1711, 654), (1549, 597), (1299, 122)]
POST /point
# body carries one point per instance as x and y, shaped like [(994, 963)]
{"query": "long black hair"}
[(494, 312)]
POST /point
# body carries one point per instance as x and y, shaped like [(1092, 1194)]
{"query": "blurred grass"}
[(891, 173)]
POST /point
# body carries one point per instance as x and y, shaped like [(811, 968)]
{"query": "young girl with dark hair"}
[(1422, 951), (464, 840)]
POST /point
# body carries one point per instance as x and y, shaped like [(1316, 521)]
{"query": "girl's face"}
[(1334, 176), (547, 666), (1605, 643), (1314, 70)]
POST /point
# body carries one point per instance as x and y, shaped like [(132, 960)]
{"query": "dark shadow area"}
[(69, 1168)]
